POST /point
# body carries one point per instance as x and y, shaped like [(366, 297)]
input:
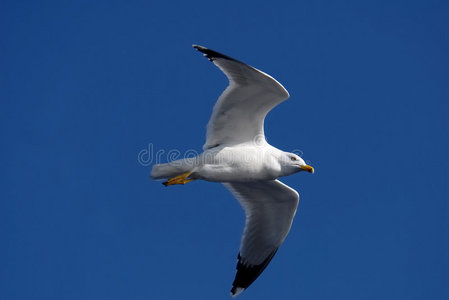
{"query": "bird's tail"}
[(173, 169)]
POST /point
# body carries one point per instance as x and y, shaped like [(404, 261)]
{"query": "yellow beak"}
[(308, 169)]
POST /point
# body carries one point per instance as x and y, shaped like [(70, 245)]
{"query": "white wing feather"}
[(270, 207), (238, 116)]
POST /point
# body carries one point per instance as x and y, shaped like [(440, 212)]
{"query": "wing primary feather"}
[(247, 274), (212, 55)]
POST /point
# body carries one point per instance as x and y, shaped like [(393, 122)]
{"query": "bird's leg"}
[(180, 179)]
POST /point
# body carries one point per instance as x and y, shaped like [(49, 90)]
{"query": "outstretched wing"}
[(269, 207), (239, 113)]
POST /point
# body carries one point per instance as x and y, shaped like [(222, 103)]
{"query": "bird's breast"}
[(238, 164)]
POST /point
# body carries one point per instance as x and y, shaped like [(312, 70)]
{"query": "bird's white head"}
[(292, 163)]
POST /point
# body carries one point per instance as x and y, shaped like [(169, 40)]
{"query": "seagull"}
[(237, 154)]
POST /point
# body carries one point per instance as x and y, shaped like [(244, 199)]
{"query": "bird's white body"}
[(249, 162), (238, 163)]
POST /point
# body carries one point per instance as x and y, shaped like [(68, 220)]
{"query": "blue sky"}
[(87, 85)]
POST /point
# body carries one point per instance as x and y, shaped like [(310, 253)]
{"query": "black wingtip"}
[(211, 54), (247, 274)]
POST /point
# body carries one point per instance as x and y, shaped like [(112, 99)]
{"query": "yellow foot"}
[(180, 179)]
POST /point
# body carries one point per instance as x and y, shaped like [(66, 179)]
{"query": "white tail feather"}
[(172, 169)]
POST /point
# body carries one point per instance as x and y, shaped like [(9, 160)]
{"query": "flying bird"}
[(237, 154)]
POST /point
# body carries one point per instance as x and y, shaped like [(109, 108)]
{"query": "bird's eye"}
[(293, 158)]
